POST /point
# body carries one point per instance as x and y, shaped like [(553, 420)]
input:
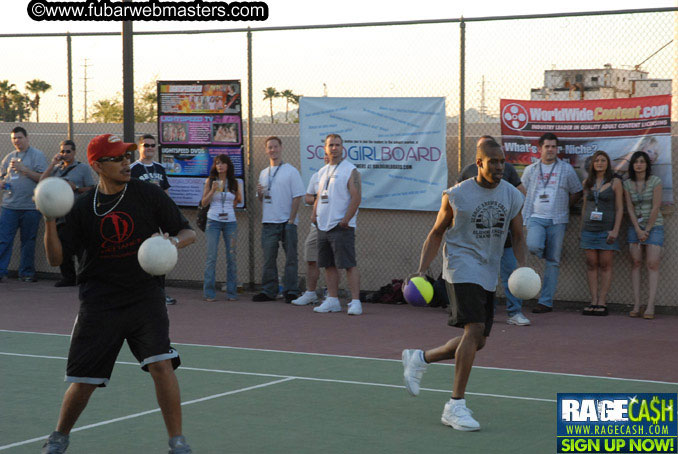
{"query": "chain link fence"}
[(504, 58)]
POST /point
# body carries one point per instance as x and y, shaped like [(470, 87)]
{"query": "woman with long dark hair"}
[(643, 193), (602, 213), (222, 194)]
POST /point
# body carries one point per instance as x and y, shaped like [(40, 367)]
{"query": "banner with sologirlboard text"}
[(197, 121), (617, 126), (397, 144)]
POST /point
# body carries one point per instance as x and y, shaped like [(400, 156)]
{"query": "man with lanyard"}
[(20, 172), (508, 259), (79, 176), (552, 188), (118, 300), (280, 188), (146, 169), (335, 212)]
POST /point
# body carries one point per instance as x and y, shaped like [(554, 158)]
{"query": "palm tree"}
[(6, 90), (287, 94), (294, 100), (269, 94), (37, 86), (107, 111)]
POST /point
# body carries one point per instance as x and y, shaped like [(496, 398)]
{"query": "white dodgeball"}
[(53, 197), (524, 283), (157, 255)]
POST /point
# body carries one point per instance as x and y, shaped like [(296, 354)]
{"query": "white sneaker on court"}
[(458, 416), (305, 299), (518, 319), (329, 305), (414, 369), (355, 308)]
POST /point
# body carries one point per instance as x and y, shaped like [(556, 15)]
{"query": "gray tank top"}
[(605, 205)]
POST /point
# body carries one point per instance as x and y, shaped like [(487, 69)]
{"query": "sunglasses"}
[(148, 145), (127, 156)]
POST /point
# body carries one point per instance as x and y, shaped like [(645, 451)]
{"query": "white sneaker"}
[(355, 308), (518, 319), (329, 305), (306, 298), (458, 416), (414, 369)]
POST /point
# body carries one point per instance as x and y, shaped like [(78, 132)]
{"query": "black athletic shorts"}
[(470, 303), (98, 336), (336, 248)]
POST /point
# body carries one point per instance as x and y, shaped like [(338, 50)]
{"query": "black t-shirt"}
[(154, 173), (109, 273)]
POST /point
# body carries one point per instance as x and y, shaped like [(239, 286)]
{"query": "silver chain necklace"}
[(94, 201)]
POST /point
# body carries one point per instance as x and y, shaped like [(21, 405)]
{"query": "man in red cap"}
[(118, 300)]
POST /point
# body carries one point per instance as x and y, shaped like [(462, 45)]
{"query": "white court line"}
[(563, 374), (294, 377), (148, 412)]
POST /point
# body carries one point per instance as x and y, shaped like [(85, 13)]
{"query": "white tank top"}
[(221, 207), (333, 183)]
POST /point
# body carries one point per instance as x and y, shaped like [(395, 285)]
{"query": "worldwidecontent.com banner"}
[(617, 423)]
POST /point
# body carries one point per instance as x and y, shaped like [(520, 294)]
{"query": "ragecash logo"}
[(514, 116), (617, 423)]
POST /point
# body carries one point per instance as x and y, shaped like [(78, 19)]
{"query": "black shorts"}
[(336, 248), (98, 336), (470, 303)]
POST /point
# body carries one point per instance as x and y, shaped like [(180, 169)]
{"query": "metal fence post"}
[(69, 58), (462, 80), (250, 159), (127, 82)]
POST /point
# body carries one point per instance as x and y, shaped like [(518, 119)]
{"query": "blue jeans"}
[(545, 240), (28, 222), (271, 235), (508, 265), (229, 230)]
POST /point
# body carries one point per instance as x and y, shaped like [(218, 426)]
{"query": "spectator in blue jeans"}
[(222, 194), (552, 187), (280, 190), (20, 172), (508, 259)]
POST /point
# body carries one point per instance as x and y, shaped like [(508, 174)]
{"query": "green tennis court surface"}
[(258, 401)]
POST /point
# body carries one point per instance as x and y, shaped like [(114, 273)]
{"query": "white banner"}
[(397, 144)]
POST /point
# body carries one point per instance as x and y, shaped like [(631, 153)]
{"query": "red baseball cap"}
[(107, 145)]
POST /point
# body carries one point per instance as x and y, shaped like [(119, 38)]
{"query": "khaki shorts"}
[(311, 245)]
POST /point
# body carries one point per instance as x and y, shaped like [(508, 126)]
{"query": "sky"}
[(310, 12), (365, 68)]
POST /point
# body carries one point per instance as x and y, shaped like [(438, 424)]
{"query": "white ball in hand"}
[(53, 197), (524, 283), (157, 255)]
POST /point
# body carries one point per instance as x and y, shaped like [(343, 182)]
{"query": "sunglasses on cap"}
[(127, 156)]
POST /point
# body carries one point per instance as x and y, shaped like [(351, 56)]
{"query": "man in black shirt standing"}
[(118, 300), (146, 169)]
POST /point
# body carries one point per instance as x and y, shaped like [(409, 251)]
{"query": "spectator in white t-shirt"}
[(335, 212), (280, 190), (552, 188)]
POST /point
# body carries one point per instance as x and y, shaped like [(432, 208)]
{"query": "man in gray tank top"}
[(474, 219)]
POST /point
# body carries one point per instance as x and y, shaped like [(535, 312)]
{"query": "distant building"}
[(604, 83)]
